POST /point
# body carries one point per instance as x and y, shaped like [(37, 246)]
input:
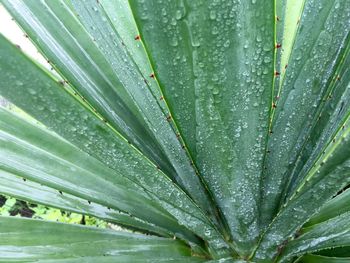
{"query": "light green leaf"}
[(335, 109), (74, 54), (36, 154), (287, 21), (312, 63), (290, 25), (218, 79), (335, 207), (23, 189), (27, 240), (329, 175), (332, 233)]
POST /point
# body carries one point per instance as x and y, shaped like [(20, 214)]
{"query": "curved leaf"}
[(335, 207), (36, 154), (317, 47), (74, 54), (38, 94), (322, 259), (329, 175), (332, 233), (24, 189), (26, 240)]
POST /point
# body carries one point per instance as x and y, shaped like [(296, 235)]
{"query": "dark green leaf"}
[(335, 207), (50, 103), (335, 108), (218, 80), (322, 259), (312, 63), (327, 177), (332, 233), (158, 121)]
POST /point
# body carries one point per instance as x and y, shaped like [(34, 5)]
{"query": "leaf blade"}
[(332, 233), (82, 241), (81, 127), (302, 93), (12, 185), (329, 175), (198, 42), (323, 259), (38, 155), (74, 54)]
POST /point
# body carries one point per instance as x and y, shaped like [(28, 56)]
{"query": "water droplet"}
[(178, 14), (259, 37), (227, 43), (215, 30), (32, 91), (174, 42), (215, 91), (212, 14), (18, 83)]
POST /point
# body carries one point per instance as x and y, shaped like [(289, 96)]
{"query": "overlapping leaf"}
[(189, 105), (36, 154), (332, 233), (83, 128), (27, 240), (315, 56), (219, 86)]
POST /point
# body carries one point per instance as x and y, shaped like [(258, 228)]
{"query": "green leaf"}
[(128, 72), (74, 54), (27, 240), (312, 63), (124, 259), (335, 207), (290, 23), (287, 22), (36, 154), (329, 175), (332, 233), (335, 109), (335, 252), (172, 113), (43, 98), (33, 192), (322, 259), (218, 79), (228, 260), (167, 51)]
